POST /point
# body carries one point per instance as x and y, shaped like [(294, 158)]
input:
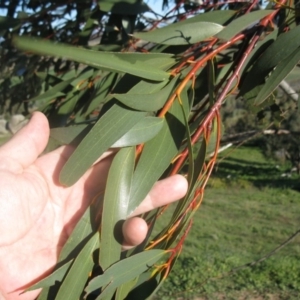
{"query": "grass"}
[(248, 210)]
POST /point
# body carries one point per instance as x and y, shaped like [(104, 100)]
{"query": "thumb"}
[(28, 143)]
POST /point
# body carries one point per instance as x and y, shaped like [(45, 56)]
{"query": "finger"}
[(134, 232), (163, 192), (28, 143)]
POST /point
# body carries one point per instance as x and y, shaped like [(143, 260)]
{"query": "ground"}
[(248, 210)]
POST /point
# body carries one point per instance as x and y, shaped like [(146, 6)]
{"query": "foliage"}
[(100, 95)]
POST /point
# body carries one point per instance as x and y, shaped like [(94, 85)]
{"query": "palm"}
[(38, 214)]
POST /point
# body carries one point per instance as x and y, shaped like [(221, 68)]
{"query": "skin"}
[(38, 214)]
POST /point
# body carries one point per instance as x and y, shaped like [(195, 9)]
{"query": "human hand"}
[(37, 214)]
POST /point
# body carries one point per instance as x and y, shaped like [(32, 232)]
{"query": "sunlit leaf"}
[(181, 33), (157, 155), (115, 206), (113, 125), (149, 101), (124, 271), (134, 85), (132, 63), (143, 131), (241, 23), (216, 16)]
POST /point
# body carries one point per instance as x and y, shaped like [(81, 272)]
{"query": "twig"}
[(253, 263)]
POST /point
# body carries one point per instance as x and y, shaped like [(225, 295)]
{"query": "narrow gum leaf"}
[(281, 71), (132, 63), (111, 126), (241, 23), (283, 46), (73, 285), (124, 271), (217, 16), (115, 205), (181, 33), (75, 243), (143, 131), (147, 102), (54, 92), (125, 288), (50, 280), (157, 155)]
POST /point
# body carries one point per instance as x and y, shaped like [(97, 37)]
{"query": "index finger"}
[(163, 192)]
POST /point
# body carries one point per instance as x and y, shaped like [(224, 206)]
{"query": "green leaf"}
[(71, 134), (186, 112), (143, 131), (82, 231), (241, 23), (149, 101), (111, 126), (157, 155), (211, 145), (132, 63), (73, 246), (181, 33), (103, 88), (131, 7), (115, 206), (50, 280), (54, 92), (217, 16), (285, 44), (124, 271), (181, 205), (199, 161), (260, 47), (281, 71), (73, 285), (67, 106), (145, 285), (6, 22), (134, 85), (125, 288)]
